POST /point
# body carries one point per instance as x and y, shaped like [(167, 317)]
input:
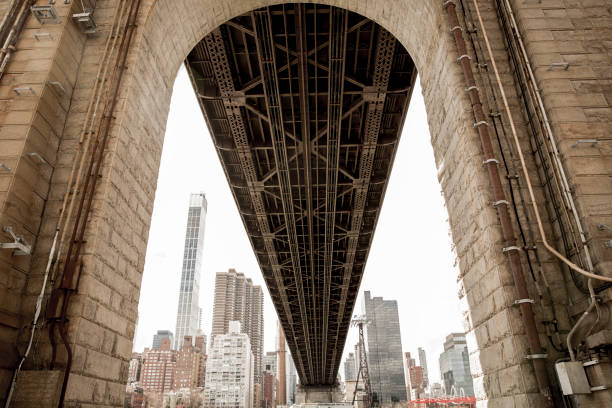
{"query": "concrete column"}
[(318, 394)]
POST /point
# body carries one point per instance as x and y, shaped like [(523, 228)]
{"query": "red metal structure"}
[(456, 402)]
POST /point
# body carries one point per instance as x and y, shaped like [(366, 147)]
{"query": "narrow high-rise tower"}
[(423, 363), (188, 314), (237, 299)]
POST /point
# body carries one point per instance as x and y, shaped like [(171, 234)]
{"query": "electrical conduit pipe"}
[(499, 196)]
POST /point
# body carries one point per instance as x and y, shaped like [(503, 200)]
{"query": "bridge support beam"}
[(318, 394)]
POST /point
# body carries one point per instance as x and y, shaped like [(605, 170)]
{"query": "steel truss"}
[(305, 104)]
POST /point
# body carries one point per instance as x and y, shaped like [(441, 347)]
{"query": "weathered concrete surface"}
[(318, 395), (103, 311)]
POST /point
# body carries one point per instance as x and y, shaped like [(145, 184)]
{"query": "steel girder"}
[(305, 104)]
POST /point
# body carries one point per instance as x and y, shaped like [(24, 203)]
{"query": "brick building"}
[(190, 364), (415, 378), (158, 368), (269, 389)]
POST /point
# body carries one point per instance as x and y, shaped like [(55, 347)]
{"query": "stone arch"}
[(170, 29)]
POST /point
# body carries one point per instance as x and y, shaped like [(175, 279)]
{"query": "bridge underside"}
[(305, 104)]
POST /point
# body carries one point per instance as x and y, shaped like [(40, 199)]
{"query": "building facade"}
[(269, 362), (423, 363), (158, 368), (188, 313), (384, 345), (455, 365), (160, 336), (291, 379), (269, 389), (237, 299), (415, 387), (190, 364), (135, 368), (349, 368), (229, 371)]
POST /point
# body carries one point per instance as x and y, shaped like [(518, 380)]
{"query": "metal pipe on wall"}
[(11, 38), (499, 197)]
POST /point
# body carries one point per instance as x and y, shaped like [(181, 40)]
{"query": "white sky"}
[(410, 260)]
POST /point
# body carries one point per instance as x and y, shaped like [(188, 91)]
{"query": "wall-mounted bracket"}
[(37, 36), (86, 22), (37, 157), (510, 248), (484, 163), (593, 142), (4, 167), (58, 85), (603, 227), (19, 244), (542, 356), (45, 14), (499, 202), (563, 65), (25, 90)]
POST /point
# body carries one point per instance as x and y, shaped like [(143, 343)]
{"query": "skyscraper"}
[(188, 314), (423, 363), (160, 336), (229, 371), (236, 298), (349, 368), (455, 365), (291, 381), (384, 342)]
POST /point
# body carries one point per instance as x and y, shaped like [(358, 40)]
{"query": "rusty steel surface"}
[(305, 104)]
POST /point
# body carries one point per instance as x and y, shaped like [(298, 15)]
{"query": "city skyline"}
[(227, 245)]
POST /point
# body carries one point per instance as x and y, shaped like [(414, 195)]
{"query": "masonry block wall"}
[(103, 311)]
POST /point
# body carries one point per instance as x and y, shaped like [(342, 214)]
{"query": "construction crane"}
[(368, 402)]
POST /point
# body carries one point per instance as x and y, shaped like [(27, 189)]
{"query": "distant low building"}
[(158, 368), (160, 336), (134, 397)]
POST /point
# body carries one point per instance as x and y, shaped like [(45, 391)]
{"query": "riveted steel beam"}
[(267, 62)]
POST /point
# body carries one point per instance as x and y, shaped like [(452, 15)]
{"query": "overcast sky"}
[(410, 260)]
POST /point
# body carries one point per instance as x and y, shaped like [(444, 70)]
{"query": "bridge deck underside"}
[(305, 104)]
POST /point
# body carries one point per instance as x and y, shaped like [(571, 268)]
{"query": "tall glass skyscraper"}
[(188, 314), (384, 342), (455, 365)]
